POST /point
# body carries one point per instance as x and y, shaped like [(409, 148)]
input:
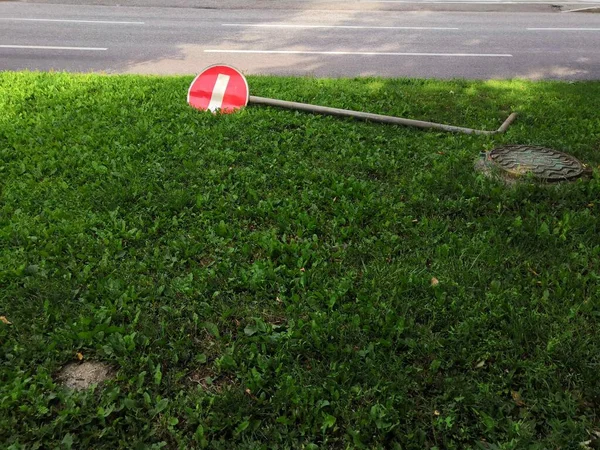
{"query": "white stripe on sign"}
[(46, 47), (350, 27), (18, 19), (216, 99), (300, 52)]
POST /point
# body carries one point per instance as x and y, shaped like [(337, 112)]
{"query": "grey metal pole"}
[(375, 117), (510, 119)]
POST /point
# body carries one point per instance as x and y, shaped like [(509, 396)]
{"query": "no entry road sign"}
[(220, 88)]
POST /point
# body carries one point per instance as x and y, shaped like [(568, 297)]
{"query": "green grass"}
[(263, 279)]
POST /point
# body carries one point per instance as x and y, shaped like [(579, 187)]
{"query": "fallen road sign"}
[(219, 88), (225, 89)]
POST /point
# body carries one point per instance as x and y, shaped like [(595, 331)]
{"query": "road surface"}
[(368, 40)]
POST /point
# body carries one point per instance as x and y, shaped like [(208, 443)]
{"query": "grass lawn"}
[(264, 279)]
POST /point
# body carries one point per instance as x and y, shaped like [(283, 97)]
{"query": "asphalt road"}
[(303, 41), (341, 5)]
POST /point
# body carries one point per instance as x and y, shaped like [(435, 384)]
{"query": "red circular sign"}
[(219, 88)]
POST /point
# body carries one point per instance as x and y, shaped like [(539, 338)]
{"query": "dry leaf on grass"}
[(517, 398), (434, 281), (80, 356), (5, 321), (250, 394)]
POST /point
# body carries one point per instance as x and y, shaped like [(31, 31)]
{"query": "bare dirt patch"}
[(80, 376), (209, 381)]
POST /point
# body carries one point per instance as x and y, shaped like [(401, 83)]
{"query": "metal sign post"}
[(376, 117)]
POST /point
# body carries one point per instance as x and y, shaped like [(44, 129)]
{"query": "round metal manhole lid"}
[(540, 162)]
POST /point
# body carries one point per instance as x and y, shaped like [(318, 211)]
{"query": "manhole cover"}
[(542, 163)]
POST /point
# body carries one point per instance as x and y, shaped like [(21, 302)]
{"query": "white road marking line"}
[(18, 19), (216, 99), (563, 29), (301, 52), (478, 3), (47, 47), (581, 9), (352, 27)]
